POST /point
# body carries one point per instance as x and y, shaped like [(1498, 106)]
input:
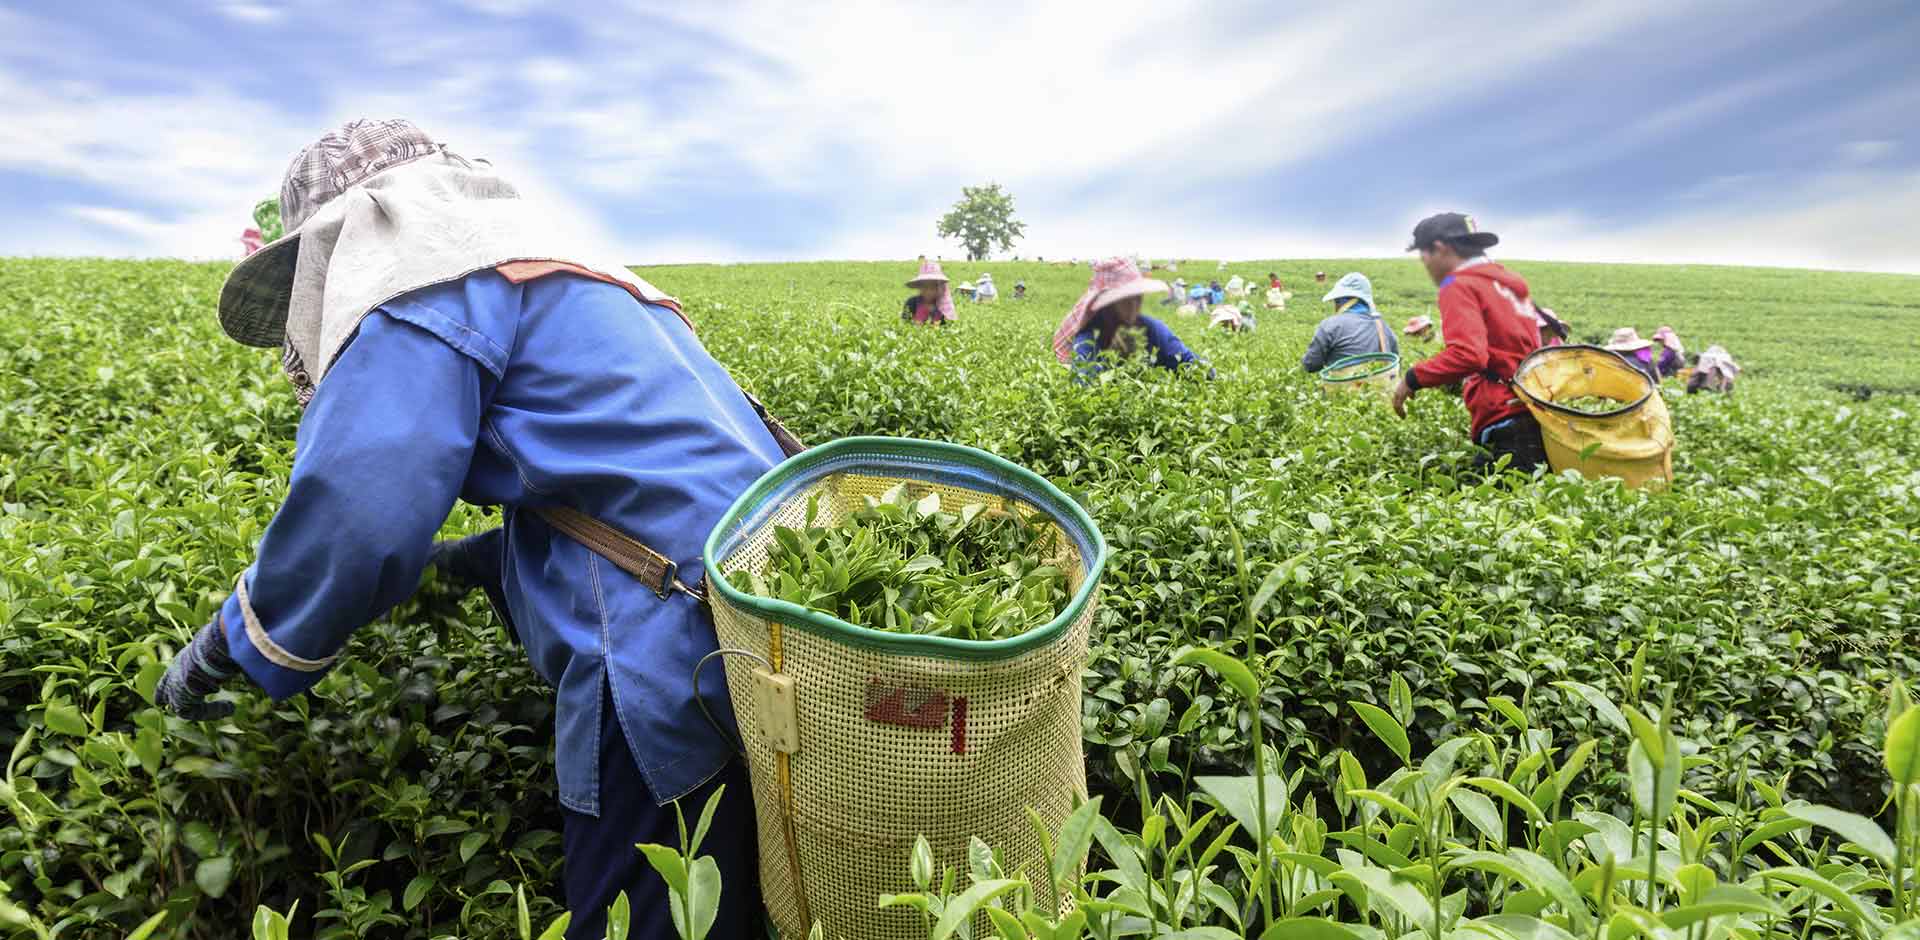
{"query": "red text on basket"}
[(890, 703)]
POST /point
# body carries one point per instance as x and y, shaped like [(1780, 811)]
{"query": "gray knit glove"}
[(195, 673)]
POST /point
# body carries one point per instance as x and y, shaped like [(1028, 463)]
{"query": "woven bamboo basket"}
[(858, 740)]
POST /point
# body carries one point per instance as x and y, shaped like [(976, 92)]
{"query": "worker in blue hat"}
[(1354, 328)]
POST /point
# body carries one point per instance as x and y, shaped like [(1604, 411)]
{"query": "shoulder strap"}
[(789, 444), (627, 553), (635, 557), (1380, 330), (1554, 324)]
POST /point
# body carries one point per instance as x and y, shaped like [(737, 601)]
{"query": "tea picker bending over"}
[(1627, 342), (1104, 320), (434, 360), (1715, 372), (1488, 326), (934, 302), (1354, 328)]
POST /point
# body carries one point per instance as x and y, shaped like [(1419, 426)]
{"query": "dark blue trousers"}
[(601, 859)]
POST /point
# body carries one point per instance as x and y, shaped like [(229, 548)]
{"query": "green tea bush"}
[(1770, 594)]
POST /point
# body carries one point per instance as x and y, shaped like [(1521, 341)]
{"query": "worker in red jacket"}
[(1487, 321)]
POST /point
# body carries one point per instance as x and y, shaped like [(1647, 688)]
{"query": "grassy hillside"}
[(1854, 332)]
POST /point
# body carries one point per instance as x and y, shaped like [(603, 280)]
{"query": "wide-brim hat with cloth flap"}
[(1627, 339), (1665, 336), (1114, 280), (377, 209), (1717, 361), (930, 273), (1354, 285)]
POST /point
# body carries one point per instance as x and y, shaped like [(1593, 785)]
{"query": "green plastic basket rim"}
[(1061, 508), (1388, 363)]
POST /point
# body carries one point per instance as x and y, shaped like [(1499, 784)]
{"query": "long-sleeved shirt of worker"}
[(1355, 330), (1168, 351), (1487, 318), (558, 391)]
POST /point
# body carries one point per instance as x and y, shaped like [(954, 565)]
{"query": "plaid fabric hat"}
[(1114, 280), (253, 303)]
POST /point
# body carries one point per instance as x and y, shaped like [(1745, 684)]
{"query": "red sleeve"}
[(1463, 325)]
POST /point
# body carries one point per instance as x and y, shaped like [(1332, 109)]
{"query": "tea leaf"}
[(213, 875), (61, 716), (1903, 748), (1857, 829), (1232, 670), (1386, 729), (960, 909), (416, 891)]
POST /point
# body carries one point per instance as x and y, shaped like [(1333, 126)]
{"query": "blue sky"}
[(1625, 130)]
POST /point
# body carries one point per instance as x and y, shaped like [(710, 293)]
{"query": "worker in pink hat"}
[(934, 302), (1106, 319)]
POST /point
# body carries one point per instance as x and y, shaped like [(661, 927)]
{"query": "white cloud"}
[(253, 13), (1047, 95), (1865, 151), (118, 232), (196, 156), (1859, 220)]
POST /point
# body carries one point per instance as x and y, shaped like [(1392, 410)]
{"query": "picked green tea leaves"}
[(907, 565)]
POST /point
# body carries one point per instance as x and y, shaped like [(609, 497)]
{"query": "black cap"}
[(1451, 227)]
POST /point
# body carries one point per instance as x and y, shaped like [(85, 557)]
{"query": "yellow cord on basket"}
[(783, 770)]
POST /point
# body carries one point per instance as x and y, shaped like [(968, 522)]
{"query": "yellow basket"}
[(1633, 442), (859, 741)]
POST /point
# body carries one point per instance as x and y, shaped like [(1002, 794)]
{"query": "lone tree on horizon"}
[(982, 220)]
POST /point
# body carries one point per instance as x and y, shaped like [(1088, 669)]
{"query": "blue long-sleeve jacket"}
[(1168, 351), (562, 390)]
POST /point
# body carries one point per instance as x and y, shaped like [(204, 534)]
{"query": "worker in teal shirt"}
[(504, 387)]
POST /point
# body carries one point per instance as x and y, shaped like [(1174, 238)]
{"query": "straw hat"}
[(1627, 339), (930, 273)]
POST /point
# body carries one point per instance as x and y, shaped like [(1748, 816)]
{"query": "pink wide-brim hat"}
[(1139, 285), (1114, 280), (930, 273), (1419, 324)]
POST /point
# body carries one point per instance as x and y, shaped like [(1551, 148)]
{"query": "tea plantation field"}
[(1550, 676)]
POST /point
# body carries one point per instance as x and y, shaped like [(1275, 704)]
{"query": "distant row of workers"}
[(1355, 327)]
